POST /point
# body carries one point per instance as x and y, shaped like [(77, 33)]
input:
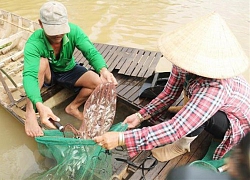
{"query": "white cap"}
[(54, 18)]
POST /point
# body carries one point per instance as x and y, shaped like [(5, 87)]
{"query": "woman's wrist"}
[(121, 140), (139, 117)]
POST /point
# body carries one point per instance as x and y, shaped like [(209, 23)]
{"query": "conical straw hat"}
[(205, 47)]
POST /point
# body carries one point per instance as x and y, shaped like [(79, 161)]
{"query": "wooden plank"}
[(11, 38), (58, 98), (112, 59), (128, 62), (113, 52), (81, 59), (121, 172), (106, 51), (147, 164), (147, 64), (169, 165), (141, 62), (119, 77), (7, 25), (124, 58), (17, 55), (6, 88), (140, 102), (115, 59), (202, 149), (174, 162), (131, 84), (154, 172), (152, 66), (98, 46), (103, 47), (134, 64), (50, 92), (134, 99), (136, 90), (139, 160), (132, 93), (21, 103), (124, 85), (19, 112)]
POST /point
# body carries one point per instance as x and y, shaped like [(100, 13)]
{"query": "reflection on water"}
[(18, 154), (139, 24), (130, 23)]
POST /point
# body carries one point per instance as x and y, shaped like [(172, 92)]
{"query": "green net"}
[(80, 157), (76, 158), (207, 161)]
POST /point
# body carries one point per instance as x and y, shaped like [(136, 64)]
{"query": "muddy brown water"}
[(130, 23)]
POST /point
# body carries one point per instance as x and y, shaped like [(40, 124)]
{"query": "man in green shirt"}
[(48, 59)]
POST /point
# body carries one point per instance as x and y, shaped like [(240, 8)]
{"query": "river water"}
[(130, 23)]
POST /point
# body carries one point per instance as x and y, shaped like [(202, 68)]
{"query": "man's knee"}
[(89, 79), (44, 71), (44, 64)]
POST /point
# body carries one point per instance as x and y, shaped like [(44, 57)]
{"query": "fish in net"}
[(99, 112), (76, 154)]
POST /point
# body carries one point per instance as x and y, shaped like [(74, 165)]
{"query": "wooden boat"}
[(130, 66)]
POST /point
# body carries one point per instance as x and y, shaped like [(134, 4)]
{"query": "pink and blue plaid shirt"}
[(207, 96)]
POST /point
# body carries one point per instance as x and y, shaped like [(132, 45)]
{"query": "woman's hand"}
[(132, 121), (108, 140), (106, 76)]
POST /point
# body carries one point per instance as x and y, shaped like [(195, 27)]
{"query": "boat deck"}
[(132, 67)]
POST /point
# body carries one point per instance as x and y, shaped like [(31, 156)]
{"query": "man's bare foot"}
[(32, 127), (74, 112)]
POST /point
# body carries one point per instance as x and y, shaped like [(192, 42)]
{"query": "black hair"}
[(241, 158)]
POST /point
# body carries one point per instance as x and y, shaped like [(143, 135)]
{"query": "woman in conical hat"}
[(207, 62)]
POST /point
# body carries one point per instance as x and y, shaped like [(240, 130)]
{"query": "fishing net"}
[(77, 155), (207, 161)]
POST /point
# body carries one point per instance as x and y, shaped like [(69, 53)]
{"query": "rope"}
[(6, 74), (142, 166)]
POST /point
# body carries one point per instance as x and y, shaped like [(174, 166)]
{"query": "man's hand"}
[(106, 76), (46, 114)]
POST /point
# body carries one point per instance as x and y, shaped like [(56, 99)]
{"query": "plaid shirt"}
[(207, 96)]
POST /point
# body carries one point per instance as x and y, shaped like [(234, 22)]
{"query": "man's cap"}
[(54, 18), (205, 47)]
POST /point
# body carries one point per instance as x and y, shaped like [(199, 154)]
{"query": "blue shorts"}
[(68, 79)]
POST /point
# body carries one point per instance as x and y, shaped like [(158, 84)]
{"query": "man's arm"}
[(94, 57), (87, 48), (30, 74)]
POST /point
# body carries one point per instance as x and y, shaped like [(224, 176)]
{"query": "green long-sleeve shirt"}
[(38, 46)]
